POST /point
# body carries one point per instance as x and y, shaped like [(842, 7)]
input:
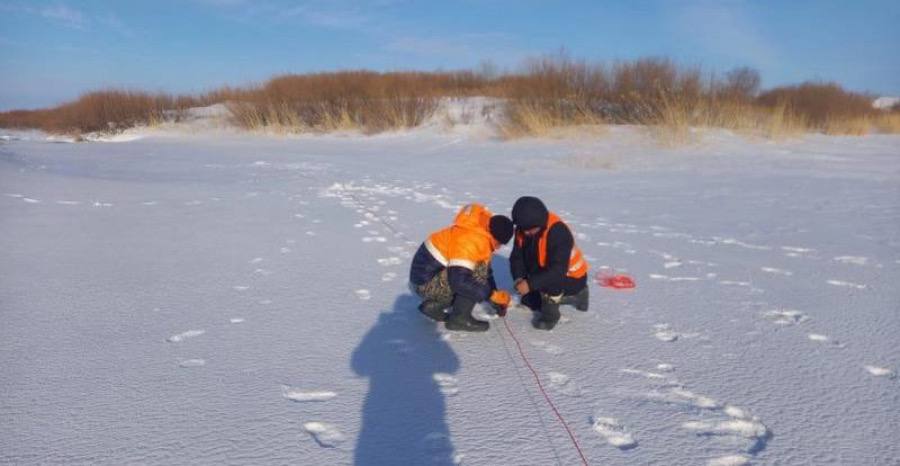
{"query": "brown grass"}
[(545, 98), (109, 110), (360, 100), (825, 107), (887, 122)]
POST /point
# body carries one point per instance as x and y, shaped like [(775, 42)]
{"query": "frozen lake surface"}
[(237, 299)]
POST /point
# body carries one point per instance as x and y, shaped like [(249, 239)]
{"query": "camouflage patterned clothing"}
[(438, 288)]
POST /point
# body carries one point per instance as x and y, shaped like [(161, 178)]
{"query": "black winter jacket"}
[(552, 279)]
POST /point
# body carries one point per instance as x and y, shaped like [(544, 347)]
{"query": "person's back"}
[(452, 267)]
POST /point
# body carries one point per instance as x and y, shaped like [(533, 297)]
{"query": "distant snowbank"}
[(884, 103)]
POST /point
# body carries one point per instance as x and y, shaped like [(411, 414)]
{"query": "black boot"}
[(580, 300), (461, 316), (549, 315), (434, 310), (532, 300)]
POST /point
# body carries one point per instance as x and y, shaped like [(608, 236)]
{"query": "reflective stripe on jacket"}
[(466, 243)]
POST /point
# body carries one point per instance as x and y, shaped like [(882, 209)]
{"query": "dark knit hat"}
[(501, 228), (529, 212)]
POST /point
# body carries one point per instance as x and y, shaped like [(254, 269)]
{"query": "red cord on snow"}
[(619, 282), (544, 392)]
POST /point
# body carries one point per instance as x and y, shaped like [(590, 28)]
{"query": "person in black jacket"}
[(546, 265)]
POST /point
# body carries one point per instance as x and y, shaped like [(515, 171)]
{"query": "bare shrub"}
[(825, 106), (108, 110)]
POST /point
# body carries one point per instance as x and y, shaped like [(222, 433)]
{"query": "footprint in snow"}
[(31, 201), (236, 320), (729, 460), (301, 396), (715, 419), (796, 250), (562, 383), (326, 435), (68, 202), (188, 363), (185, 335), (241, 287), (363, 294), (657, 276), (388, 261), (549, 348), (773, 270), (374, 239), (786, 316), (447, 384), (880, 371), (847, 284), (650, 375), (734, 283), (737, 425), (310, 233), (855, 260), (613, 432), (285, 250), (389, 276), (664, 333), (819, 338), (256, 260)]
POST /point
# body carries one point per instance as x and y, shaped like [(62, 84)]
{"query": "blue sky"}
[(51, 51)]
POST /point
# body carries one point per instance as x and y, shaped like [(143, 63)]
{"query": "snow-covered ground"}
[(221, 298)]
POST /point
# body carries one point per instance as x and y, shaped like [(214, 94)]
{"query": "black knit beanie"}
[(529, 212), (501, 228)]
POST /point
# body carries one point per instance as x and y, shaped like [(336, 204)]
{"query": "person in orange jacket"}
[(547, 267), (452, 268)]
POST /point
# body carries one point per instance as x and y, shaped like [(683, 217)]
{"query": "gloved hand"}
[(500, 301)]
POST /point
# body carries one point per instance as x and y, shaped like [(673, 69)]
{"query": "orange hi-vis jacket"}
[(466, 243), (578, 267)]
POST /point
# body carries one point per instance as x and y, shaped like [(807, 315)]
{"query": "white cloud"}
[(66, 15)]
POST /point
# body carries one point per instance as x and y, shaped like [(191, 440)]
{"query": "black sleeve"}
[(516, 262), (463, 282), (559, 249)]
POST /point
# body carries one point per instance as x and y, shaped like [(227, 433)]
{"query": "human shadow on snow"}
[(404, 414)]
